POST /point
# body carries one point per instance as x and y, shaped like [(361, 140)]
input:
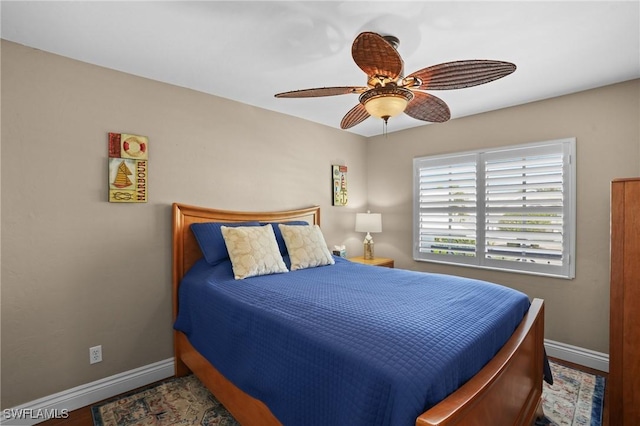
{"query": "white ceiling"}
[(248, 51)]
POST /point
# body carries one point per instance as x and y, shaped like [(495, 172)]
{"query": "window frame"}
[(566, 147)]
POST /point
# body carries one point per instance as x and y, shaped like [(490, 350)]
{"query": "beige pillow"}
[(253, 250), (306, 246)]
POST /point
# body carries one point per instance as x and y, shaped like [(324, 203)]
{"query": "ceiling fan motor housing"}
[(392, 40)]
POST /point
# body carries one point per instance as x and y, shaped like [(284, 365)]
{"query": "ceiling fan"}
[(388, 93)]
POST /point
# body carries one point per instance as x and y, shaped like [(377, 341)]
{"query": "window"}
[(511, 208)]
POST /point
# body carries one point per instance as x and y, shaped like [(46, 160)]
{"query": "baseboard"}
[(42, 409), (577, 355)]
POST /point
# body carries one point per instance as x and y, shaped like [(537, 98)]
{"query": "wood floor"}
[(82, 416)]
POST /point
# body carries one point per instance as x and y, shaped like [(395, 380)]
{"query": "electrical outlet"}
[(95, 354)]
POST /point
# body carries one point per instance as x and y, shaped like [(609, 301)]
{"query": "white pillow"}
[(253, 250), (306, 246)]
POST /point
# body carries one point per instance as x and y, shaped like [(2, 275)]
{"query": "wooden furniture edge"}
[(508, 387), (623, 382), (628, 179), (377, 261), (616, 295)]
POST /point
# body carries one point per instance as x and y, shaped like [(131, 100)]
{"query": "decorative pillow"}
[(306, 246), (210, 239), (253, 251), (276, 230)]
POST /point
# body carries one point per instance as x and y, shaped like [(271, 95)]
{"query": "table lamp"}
[(368, 222)]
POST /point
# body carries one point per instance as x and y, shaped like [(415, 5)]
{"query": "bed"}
[(505, 390)]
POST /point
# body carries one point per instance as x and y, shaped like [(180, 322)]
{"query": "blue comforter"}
[(346, 344)]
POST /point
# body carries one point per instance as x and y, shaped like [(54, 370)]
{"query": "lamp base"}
[(368, 250)]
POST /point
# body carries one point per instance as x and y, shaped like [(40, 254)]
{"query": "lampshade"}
[(368, 222), (386, 101)]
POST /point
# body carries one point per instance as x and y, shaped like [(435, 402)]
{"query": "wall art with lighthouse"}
[(128, 168), (339, 178)]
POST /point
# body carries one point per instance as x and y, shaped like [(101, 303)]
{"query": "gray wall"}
[(605, 123), (78, 271)]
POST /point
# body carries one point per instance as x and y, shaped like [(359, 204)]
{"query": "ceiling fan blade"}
[(461, 74), (356, 115), (321, 91), (427, 107), (376, 56)]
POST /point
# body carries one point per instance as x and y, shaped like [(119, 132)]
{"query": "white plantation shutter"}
[(447, 203), (511, 208)]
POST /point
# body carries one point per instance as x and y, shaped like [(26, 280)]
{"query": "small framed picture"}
[(339, 177), (128, 168)]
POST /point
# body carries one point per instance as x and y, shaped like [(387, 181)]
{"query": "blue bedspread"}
[(346, 344)]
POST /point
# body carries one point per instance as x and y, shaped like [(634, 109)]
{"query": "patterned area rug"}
[(576, 398), (176, 401)]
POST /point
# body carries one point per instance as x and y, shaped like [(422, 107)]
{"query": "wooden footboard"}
[(506, 391)]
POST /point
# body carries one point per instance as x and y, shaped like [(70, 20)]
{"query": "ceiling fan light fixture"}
[(387, 101)]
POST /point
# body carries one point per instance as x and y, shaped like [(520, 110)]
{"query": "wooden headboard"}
[(186, 250)]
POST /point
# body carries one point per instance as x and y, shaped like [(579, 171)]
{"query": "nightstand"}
[(378, 261)]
